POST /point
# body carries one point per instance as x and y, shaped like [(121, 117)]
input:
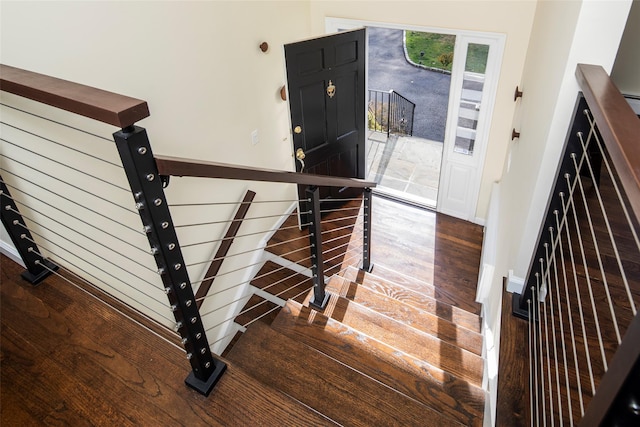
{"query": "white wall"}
[(626, 70), (207, 83), (512, 18), (564, 34)]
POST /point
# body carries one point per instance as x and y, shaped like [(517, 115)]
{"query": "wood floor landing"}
[(68, 359)]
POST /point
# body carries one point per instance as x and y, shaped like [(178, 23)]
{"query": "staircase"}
[(387, 349)]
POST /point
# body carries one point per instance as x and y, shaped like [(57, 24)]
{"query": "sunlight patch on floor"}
[(405, 167)]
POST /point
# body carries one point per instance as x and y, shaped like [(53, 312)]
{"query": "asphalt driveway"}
[(429, 90)]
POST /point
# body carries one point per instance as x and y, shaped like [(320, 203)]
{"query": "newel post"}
[(320, 296), (147, 187), (366, 228)]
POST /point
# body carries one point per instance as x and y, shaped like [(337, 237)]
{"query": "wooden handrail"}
[(97, 104), (176, 166), (618, 125)]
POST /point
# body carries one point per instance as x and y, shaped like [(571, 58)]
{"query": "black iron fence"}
[(390, 113)]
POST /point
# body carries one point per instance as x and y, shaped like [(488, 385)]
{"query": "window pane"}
[(470, 98)]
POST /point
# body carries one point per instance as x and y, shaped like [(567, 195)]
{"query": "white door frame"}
[(469, 167)]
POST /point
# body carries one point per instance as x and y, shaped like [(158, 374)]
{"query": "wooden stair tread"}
[(461, 363), (425, 301), (240, 399), (455, 398), (407, 314), (326, 385)]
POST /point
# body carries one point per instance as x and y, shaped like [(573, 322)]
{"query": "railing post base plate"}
[(515, 307), (35, 279), (205, 387), (313, 304), (368, 270)]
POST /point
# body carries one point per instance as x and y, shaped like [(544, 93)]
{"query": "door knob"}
[(297, 129), (300, 156)]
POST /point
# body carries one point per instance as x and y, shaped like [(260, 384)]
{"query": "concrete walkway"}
[(406, 168)]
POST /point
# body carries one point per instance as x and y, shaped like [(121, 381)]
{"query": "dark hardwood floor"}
[(67, 359)]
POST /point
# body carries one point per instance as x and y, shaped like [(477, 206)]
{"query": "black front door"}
[(326, 80)]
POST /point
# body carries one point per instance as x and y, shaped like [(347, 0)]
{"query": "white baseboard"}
[(10, 251), (515, 283)]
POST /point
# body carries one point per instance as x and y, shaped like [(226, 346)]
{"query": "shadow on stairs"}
[(387, 350)]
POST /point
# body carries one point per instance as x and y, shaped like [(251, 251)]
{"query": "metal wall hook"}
[(517, 94), (515, 134), (264, 46)]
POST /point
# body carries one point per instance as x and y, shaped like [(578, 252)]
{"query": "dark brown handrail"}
[(618, 125), (97, 104), (176, 166)]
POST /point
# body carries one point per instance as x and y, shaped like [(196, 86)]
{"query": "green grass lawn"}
[(436, 50)]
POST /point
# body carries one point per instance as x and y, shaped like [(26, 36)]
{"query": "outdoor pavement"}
[(429, 90), (407, 168)]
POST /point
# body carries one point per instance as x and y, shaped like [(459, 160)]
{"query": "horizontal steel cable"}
[(236, 203), (129, 210), (255, 277), (339, 209), (277, 306), (57, 255), (237, 237), (92, 253), (342, 218), (68, 200), (255, 305), (106, 303), (68, 214), (273, 245), (226, 221), (274, 309), (126, 189), (77, 232), (58, 123)]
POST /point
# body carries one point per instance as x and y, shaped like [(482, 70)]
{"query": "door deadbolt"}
[(297, 129)]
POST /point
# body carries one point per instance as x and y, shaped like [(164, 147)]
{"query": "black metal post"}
[(320, 296), (147, 187), (389, 114), (23, 240), (366, 225), (572, 145)]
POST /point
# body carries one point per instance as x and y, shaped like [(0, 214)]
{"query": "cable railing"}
[(583, 286), (105, 213)]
